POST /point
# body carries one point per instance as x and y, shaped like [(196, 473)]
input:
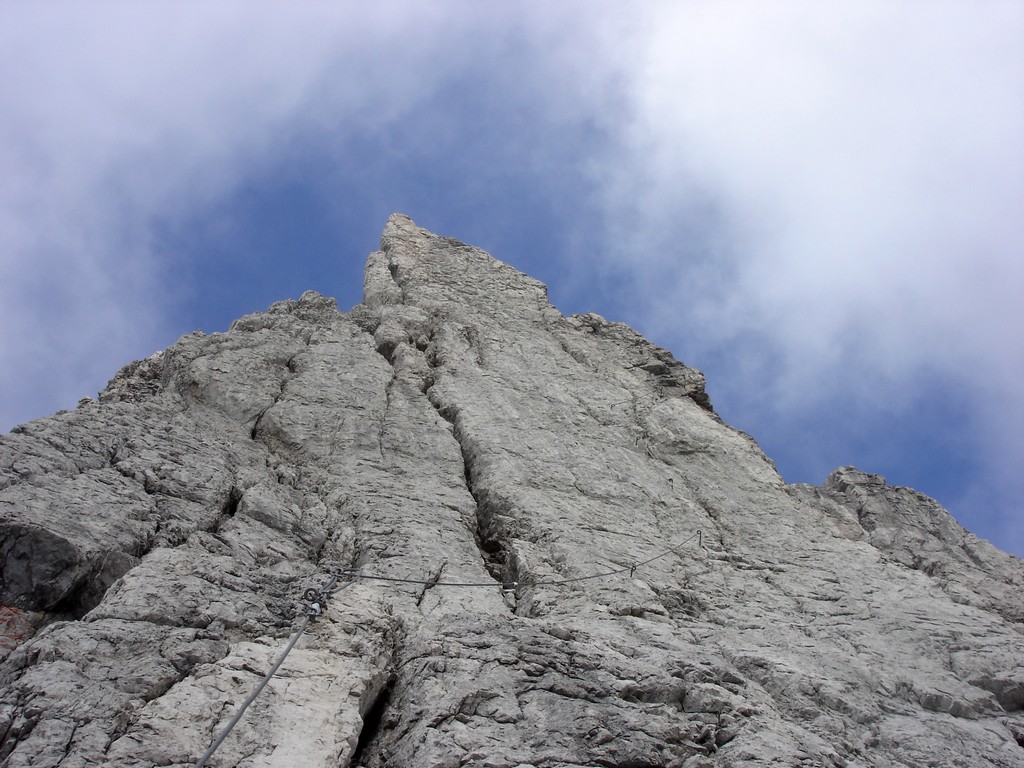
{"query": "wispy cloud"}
[(821, 204), (862, 177), (117, 115)]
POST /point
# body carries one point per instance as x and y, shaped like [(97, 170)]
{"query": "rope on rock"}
[(316, 600), (428, 582), (631, 568), (355, 573)]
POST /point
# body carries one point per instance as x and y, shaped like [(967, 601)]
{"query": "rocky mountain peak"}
[(552, 552)]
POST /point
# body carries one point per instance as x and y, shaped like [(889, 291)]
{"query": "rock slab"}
[(645, 589)]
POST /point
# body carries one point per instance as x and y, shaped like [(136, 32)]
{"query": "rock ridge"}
[(456, 427)]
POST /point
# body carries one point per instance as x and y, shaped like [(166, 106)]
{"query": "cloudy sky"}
[(821, 205)]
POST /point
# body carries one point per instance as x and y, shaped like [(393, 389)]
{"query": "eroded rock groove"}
[(455, 423)]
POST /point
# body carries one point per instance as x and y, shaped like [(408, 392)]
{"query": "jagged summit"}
[(647, 591)]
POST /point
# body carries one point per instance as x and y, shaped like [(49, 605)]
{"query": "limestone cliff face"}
[(455, 427)]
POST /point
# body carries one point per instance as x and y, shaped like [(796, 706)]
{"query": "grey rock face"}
[(649, 591)]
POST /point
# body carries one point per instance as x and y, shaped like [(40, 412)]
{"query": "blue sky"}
[(821, 206)]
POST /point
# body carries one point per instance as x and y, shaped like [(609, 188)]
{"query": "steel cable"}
[(514, 584), (327, 589)]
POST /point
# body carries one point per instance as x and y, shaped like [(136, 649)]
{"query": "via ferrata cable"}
[(316, 599)]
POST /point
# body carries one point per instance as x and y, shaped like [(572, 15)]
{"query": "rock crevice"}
[(455, 427)]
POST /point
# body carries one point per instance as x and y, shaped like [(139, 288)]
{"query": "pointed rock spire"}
[(560, 556)]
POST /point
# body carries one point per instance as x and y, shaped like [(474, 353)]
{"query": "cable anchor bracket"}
[(316, 603)]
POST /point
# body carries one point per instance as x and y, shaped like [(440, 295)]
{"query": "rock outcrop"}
[(647, 591)]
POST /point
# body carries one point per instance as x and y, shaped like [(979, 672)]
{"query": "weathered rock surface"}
[(455, 427)]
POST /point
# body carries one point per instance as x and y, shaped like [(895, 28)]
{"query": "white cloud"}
[(833, 191), (865, 165), (118, 115)]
